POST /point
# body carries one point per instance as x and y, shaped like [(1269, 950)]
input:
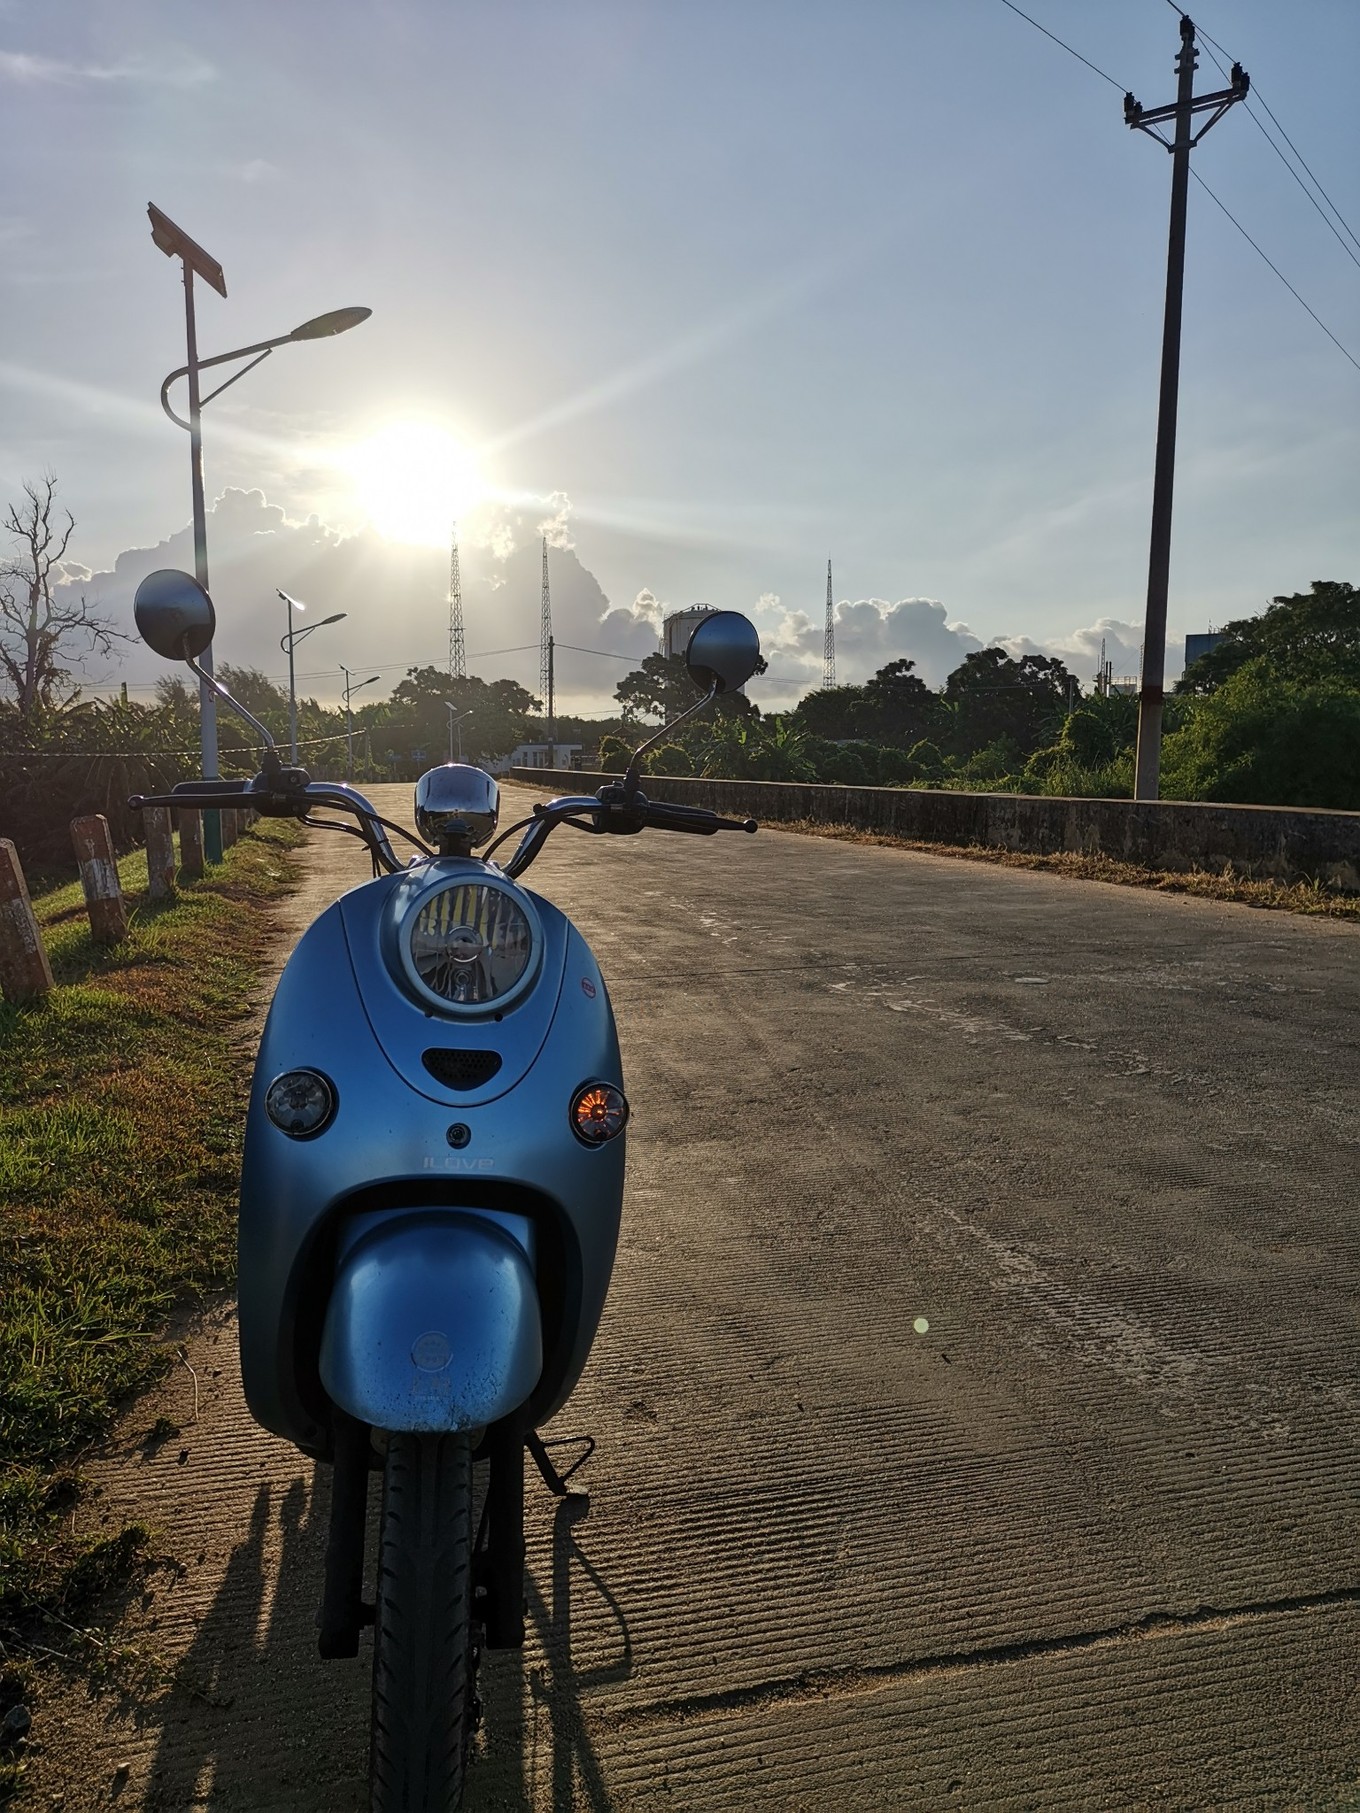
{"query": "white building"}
[(541, 755), (680, 626)]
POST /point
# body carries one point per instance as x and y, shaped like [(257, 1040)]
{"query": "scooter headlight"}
[(300, 1102), (471, 945)]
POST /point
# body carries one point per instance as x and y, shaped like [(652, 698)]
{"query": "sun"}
[(414, 480)]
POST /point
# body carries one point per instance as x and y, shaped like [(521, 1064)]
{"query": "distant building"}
[(541, 755), (1195, 646), (680, 626)]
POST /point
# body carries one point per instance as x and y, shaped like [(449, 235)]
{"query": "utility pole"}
[(829, 639), (1147, 768), (457, 654), (545, 654)]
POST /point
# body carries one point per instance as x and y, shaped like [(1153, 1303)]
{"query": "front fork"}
[(498, 1554)]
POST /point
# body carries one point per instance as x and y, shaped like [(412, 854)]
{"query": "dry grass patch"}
[(1296, 897)]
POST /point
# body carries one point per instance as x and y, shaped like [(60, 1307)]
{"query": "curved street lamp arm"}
[(261, 349)]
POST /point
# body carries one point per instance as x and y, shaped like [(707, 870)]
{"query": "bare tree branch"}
[(41, 634)]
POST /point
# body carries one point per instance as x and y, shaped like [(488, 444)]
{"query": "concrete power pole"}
[(829, 640), (545, 652), (1147, 769), (457, 653)]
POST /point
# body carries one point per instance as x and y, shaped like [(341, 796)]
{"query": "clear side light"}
[(598, 1113), (300, 1102)]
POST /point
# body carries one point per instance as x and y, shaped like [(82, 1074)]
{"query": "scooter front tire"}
[(422, 1662)]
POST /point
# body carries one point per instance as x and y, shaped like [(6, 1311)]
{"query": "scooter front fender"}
[(433, 1322)]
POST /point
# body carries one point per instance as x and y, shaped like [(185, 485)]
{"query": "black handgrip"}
[(662, 816), (234, 795)]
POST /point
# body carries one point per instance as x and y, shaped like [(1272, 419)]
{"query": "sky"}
[(706, 293)]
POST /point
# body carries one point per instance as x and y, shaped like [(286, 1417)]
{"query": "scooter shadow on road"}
[(254, 1719), (555, 1688)]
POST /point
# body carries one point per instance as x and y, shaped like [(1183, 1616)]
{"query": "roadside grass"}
[(1297, 897), (120, 1124)]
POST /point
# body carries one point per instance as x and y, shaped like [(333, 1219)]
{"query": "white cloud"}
[(254, 170), (645, 608), (870, 632), (179, 69), (555, 527), (395, 601), (1079, 650)]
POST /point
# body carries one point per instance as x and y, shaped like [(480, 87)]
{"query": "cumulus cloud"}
[(555, 526), (870, 632), (1079, 650), (395, 600), (645, 608)]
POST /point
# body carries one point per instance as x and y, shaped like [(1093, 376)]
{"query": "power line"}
[(1067, 47), (1294, 148), (1280, 129), (1274, 267), (608, 654), (1312, 199), (1200, 180)]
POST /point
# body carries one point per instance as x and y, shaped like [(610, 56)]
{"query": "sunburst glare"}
[(414, 480)]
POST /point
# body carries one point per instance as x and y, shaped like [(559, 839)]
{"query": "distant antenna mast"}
[(457, 654), (829, 642), (545, 653)]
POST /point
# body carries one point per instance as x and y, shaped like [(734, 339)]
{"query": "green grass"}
[(121, 1102)]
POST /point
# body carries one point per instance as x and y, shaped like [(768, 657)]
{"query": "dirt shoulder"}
[(145, 1717)]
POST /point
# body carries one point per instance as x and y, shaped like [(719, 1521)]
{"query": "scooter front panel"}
[(386, 1132)]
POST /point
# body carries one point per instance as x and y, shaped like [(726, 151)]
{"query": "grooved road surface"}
[(976, 1400)]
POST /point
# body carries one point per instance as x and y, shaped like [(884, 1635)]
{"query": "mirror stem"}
[(630, 780), (236, 705)]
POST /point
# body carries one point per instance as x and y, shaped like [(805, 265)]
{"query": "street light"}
[(287, 642), (456, 717), (176, 243), (349, 716)]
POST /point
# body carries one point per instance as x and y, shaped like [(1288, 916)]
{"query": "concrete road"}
[(976, 1400)]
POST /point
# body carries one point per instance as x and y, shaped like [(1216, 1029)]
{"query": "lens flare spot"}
[(414, 480)]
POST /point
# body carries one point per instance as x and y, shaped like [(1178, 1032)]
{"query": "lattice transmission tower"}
[(829, 640), (457, 653), (545, 653)]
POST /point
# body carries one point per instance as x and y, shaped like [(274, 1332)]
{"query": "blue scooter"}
[(430, 1197)]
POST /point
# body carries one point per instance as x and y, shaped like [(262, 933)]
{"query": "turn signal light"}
[(598, 1113), (300, 1103)]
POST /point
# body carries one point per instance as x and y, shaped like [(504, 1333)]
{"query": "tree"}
[(1309, 638), (41, 634), (997, 697), (838, 713), (661, 688), (1262, 740), (901, 707), (416, 716)]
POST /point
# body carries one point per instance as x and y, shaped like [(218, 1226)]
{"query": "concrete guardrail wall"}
[(1282, 843)]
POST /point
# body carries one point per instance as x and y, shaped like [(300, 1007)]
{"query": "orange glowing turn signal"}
[(598, 1113)]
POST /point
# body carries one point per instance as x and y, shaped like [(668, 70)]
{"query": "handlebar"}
[(287, 793), (615, 812)]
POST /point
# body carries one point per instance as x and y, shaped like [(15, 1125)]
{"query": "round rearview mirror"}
[(724, 651), (174, 615)]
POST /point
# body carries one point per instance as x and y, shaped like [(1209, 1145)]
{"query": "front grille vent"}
[(462, 1069)]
